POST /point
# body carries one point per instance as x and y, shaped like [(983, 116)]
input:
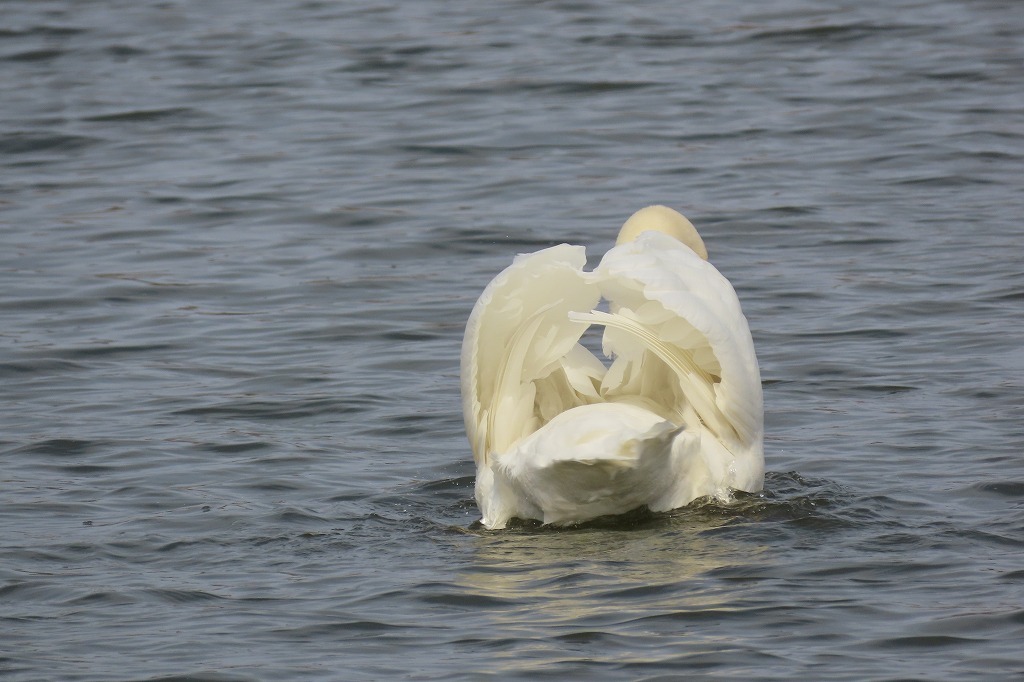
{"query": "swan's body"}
[(678, 415)]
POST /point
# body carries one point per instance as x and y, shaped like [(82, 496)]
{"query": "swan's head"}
[(662, 219)]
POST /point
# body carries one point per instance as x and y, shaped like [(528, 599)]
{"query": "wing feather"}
[(673, 310), (519, 334)]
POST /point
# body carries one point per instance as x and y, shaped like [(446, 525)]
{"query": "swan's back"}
[(559, 437)]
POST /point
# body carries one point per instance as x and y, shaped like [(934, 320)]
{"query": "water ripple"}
[(239, 248)]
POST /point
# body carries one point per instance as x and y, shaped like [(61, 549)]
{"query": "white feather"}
[(677, 416)]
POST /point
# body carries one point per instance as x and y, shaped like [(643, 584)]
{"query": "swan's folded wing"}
[(661, 288), (519, 334)]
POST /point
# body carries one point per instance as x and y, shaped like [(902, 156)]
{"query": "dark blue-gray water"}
[(238, 245)]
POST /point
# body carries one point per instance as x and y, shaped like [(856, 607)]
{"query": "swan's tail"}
[(594, 460)]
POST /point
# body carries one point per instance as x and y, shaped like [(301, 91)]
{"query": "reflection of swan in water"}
[(541, 591), (524, 564), (678, 415)]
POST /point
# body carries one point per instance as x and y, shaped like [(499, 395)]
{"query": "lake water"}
[(238, 246)]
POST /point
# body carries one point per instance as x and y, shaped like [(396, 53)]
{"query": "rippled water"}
[(238, 244)]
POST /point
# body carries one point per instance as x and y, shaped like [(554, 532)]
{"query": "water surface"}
[(238, 245)]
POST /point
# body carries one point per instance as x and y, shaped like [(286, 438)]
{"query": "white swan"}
[(678, 415)]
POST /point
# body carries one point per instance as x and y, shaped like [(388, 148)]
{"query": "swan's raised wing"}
[(682, 343), (521, 363)]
